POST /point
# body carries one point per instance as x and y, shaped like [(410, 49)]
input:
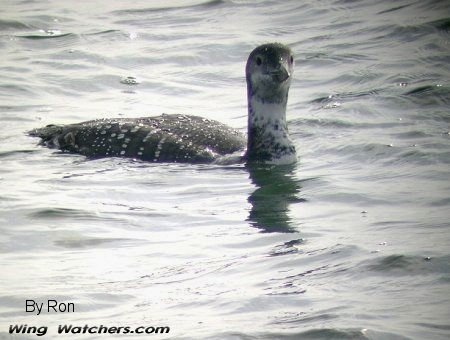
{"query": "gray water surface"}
[(352, 242)]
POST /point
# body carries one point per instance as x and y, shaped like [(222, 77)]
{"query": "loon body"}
[(166, 138), (193, 139)]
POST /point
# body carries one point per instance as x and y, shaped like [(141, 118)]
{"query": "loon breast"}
[(165, 138)]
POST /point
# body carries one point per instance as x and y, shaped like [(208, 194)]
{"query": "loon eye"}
[(258, 61)]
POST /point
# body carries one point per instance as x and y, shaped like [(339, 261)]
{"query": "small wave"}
[(5, 154), (346, 96), (108, 35), (47, 35), (441, 202), (319, 122), (399, 265), (417, 156), (290, 247), (420, 90), (437, 94), (205, 5), (58, 213), (105, 32), (413, 134), (12, 25), (87, 242), (442, 25), (312, 334), (394, 9), (363, 153), (48, 39), (406, 34), (434, 326)]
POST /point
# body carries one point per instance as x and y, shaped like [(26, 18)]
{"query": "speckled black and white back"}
[(165, 138)]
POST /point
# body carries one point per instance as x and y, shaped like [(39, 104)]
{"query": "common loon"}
[(193, 139)]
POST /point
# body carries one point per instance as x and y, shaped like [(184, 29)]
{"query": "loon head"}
[(269, 70)]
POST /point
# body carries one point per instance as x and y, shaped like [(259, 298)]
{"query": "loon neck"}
[(268, 135)]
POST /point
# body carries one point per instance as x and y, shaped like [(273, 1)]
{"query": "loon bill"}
[(193, 139)]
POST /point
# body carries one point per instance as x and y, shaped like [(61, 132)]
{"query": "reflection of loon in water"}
[(192, 139), (276, 189)]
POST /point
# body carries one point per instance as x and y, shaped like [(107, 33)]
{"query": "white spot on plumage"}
[(147, 137), (159, 147)]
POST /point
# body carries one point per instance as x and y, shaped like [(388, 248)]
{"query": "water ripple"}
[(13, 25)]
